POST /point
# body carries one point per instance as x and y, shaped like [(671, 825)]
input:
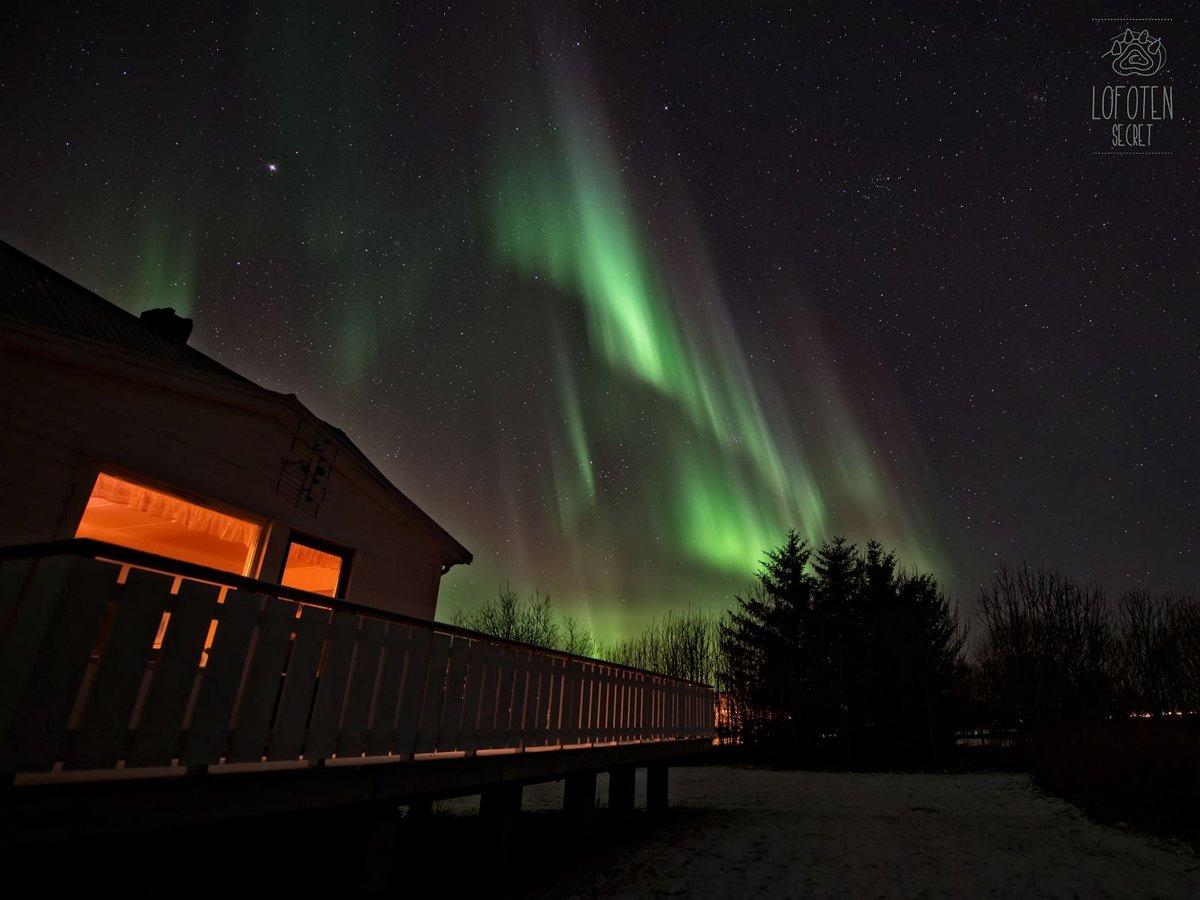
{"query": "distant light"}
[(272, 168)]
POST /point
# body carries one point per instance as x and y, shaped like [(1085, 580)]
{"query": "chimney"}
[(166, 323)]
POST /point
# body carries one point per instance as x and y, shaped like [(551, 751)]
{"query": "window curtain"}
[(310, 556), (173, 509)]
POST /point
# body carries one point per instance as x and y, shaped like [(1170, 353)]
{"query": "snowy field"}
[(799, 834)]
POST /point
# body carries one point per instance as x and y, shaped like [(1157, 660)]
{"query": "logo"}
[(1136, 110), (1137, 54)]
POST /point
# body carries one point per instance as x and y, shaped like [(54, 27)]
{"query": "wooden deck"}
[(118, 668)]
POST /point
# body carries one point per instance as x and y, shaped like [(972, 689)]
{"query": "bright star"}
[(271, 167)]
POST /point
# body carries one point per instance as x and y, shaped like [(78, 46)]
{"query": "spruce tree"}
[(763, 645), (852, 662)]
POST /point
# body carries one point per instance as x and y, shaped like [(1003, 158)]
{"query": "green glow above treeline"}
[(527, 335), (659, 337)]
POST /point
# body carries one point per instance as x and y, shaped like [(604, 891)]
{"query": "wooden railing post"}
[(103, 665)]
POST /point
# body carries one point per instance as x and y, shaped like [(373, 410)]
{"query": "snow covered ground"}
[(797, 834)]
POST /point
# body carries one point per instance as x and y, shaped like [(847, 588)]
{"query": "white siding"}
[(62, 422)]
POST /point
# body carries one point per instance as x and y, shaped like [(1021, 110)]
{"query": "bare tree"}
[(1049, 651), (576, 638), (1149, 653), (1185, 621), (507, 616), (682, 645)]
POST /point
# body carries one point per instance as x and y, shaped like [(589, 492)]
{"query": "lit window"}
[(311, 569), (141, 518)]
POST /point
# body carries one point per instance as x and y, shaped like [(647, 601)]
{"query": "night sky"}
[(618, 296)]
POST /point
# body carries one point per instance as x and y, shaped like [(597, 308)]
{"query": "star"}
[(645, 303)]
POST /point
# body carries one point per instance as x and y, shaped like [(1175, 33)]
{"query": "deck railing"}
[(112, 659)]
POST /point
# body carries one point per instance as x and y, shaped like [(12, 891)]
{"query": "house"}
[(213, 606), (117, 430)]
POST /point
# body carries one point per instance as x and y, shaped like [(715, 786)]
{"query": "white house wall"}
[(62, 422)]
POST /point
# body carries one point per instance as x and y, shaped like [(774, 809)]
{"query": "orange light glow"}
[(141, 518), (310, 569)]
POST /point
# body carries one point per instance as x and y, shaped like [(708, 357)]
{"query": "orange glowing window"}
[(312, 569), (142, 518)]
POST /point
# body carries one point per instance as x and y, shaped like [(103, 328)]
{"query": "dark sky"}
[(618, 296)]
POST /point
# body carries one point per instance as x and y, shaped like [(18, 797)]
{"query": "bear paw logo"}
[(1137, 54)]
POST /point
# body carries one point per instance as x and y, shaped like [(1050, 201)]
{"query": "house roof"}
[(34, 294)]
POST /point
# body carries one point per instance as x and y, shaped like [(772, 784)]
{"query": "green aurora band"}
[(657, 466), (164, 271), (665, 373), (559, 211)]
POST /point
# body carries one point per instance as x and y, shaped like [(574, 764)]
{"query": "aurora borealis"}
[(659, 343), (619, 298)]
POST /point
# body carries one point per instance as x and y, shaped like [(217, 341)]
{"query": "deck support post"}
[(579, 798), (656, 788), (381, 843), (501, 805), (621, 780), (421, 808)]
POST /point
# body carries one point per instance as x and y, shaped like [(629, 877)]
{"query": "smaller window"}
[(319, 570)]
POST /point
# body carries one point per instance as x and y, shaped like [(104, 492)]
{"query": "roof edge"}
[(242, 392)]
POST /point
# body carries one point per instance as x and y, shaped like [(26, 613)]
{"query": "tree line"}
[(681, 644), (839, 654), (1059, 652), (1100, 694), (833, 653)]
